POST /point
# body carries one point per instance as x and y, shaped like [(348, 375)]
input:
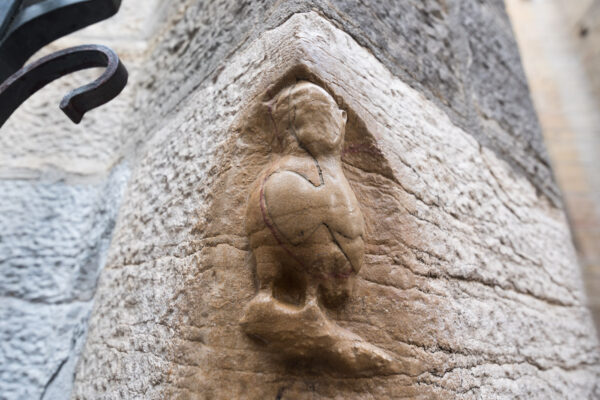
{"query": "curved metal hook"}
[(31, 78), (30, 28)]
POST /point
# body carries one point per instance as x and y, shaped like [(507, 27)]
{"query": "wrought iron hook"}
[(28, 25), (31, 78)]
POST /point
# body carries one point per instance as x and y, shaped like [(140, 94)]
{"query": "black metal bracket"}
[(28, 25), (29, 79)]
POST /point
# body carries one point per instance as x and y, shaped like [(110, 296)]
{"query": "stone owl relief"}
[(306, 232)]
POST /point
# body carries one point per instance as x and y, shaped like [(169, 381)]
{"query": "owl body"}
[(304, 218), (306, 232)]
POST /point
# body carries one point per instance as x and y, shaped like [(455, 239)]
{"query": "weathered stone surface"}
[(469, 278), (307, 235), (40, 346), (38, 137), (68, 226), (556, 56), (60, 190), (53, 242), (460, 54)]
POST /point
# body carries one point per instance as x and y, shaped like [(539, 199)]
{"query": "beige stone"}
[(306, 232), (563, 75), (468, 282)]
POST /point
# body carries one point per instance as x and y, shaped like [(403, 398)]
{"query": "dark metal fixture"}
[(28, 25)]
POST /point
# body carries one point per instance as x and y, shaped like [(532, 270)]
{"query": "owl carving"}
[(306, 232)]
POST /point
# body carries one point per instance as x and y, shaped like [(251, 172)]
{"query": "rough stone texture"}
[(53, 242), (60, 190), (469, 280), (460, 54), (306, 232), (39, 137), (569, 112)]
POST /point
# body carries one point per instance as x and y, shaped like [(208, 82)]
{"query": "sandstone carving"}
[(306, 232)]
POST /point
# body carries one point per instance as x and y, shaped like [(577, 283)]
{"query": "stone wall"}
[(583, 26), (563, 72), (470, 281), (61, 187), (54, 241), (460, 54)]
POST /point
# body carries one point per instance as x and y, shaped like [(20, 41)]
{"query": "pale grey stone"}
[(39, 344), (58, 204), (53, 241), (54, 236)]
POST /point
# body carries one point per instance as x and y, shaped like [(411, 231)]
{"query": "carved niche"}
[(306, 232)]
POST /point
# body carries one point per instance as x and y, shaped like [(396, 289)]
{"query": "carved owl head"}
[(308, 115)]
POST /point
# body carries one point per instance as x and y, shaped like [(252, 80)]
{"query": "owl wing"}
[(294, 205)]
